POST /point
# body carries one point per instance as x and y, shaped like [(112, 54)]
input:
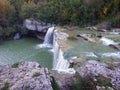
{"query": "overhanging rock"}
[(36, 26)]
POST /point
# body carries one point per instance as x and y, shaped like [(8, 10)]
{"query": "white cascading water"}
[(112, 54), (59, 62), (107, 41), (48, 40)]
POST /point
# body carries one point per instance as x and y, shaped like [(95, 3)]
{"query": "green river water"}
[(82, 48), (24, 49)]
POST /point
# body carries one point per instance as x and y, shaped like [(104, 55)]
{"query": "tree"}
[(6, 11), (28, 10)]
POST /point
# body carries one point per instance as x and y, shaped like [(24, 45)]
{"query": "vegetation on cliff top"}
[(73, 12)]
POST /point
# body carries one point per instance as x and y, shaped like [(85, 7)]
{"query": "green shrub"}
[(28, 10), (85, 83), (36, 74), (27, 88), (115, 21), (77, 12), (73, 12), (15, 65), (55, 86), (77, 84), (1, 31), (9, 30)]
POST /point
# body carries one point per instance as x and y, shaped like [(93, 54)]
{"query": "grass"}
[(36, 74)]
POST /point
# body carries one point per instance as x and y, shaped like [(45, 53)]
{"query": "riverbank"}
[(29, 75)]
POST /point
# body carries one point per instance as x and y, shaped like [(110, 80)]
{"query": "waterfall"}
[(62, 65), (48, 40), (59, 62)]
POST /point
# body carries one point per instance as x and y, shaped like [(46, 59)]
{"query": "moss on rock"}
[(36, 74), (103, 81)]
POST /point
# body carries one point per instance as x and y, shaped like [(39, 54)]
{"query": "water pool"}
[(24, 49)]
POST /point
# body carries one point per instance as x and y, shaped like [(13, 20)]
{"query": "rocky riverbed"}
[(106, 75), (93, 75), (24, 76)]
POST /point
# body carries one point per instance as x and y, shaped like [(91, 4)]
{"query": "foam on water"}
[(107, 41), (48, 40), (110, 54)]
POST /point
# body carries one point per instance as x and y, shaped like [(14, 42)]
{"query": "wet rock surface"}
[(24, 76)]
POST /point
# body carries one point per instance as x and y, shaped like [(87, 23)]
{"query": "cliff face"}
[(24, 76)]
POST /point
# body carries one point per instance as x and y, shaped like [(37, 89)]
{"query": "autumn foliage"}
[(79, 12), (75, 12)]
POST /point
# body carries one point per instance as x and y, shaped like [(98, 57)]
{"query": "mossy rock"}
[(85, 83), (36, 74), (103, 81), (27, 88)]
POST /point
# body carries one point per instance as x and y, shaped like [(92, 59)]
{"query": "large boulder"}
[(24, 76), (35, 25), (106, 75)]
